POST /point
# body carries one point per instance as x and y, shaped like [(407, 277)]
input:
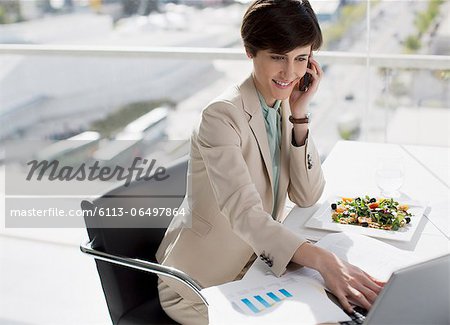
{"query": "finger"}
[(345, 303), (380, 284), (317, 66), (366, 280), (372, 285), (319, 70), (311, 72), (359, 298), (369, 294), (315, 74), (313, 62), (315, 80), (312, 69)]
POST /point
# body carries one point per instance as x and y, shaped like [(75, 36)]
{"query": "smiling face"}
[(275, 75)]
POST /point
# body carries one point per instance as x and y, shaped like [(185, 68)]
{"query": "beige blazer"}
[(230, 197)]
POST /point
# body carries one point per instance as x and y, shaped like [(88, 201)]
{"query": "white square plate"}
[(322, 220)]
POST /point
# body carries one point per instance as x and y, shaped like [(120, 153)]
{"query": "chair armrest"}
[(146, 266)]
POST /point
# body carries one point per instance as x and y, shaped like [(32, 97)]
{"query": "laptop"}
[(418, 294)]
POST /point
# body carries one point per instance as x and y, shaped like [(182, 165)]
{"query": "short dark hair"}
[(280, 25)]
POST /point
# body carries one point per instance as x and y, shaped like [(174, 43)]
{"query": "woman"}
[(252, 149)]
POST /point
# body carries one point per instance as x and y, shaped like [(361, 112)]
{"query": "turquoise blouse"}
[(272, 121)]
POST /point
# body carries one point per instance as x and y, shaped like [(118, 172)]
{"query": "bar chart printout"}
[(267, 301), (260, 302)]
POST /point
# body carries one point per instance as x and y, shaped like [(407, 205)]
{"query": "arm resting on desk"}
[(347, 282)]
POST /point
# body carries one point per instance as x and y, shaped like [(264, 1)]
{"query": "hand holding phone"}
[(305, 81)]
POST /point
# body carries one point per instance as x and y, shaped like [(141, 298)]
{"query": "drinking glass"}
[(390, 176)]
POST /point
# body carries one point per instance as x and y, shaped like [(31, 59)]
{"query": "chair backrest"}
[(125, 288)]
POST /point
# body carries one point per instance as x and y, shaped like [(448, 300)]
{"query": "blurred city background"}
[(100, 71)]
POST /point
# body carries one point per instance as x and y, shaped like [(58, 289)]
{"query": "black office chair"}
[(125, 256)]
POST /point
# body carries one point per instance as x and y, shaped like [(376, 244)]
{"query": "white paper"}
[(439, 216), (291, 299)]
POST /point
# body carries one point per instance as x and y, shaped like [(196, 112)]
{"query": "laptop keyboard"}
[(358, 316)]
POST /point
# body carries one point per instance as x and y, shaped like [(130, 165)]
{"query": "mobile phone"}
[(305, 81)]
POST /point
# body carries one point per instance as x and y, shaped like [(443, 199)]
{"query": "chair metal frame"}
[(146, 266)]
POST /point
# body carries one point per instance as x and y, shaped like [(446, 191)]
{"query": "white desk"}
[(349, 171)]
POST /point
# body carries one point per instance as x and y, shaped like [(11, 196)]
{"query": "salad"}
[(369, 212)]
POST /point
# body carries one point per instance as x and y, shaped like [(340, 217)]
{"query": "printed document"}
[(291, 299)]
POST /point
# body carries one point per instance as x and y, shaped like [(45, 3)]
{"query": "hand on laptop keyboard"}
[(349, 283), (358, 316)]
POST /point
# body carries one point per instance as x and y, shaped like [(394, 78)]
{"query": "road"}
[(78, 91), (390, 22)]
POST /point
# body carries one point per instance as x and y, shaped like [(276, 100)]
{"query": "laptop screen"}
[(418, 294)]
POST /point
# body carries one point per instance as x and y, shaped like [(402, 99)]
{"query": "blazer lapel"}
[(253, 108), (286, 130)]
